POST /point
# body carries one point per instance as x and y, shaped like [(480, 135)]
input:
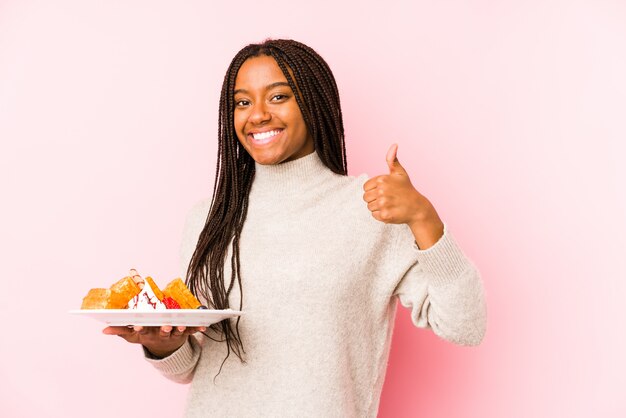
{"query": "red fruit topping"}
[(170, 303)]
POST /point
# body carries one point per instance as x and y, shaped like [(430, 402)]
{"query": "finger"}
[(376, 215), (382, 215), (178, 331), (193, 330), (141, 330), (392, 156), (392, 160), (371, 184), (373, 206), (118, 331), (371, 195), (165, 331)]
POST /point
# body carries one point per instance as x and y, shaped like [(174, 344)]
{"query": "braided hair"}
[(316, 93)]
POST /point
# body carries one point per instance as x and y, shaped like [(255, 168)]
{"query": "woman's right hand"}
[(159, 341)]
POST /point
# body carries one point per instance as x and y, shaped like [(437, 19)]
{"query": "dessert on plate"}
[(135, 292)]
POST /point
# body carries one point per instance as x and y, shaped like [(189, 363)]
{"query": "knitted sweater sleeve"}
[(444, 292), (180, 365)]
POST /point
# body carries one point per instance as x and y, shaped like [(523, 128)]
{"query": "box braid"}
[(316, 93)]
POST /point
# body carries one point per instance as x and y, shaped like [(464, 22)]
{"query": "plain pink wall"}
[(510, 118)]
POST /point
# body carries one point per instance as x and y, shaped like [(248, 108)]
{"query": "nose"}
[(260, 114)]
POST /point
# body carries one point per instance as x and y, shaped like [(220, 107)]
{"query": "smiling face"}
[(268, 120)]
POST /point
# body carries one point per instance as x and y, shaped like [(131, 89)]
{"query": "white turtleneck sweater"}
[(320, 280)]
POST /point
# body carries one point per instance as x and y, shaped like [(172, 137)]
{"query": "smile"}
[(261, 138)]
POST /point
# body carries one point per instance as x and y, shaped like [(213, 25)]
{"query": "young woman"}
[(317, 259)]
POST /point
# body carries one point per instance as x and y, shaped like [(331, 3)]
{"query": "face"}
[(268, 120)]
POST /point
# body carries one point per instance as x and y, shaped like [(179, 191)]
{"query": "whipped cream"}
[(146, 300)]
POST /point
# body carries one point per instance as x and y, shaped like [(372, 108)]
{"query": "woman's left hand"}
[(392, 199)]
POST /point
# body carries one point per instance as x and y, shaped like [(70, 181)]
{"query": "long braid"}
[(317, 96)]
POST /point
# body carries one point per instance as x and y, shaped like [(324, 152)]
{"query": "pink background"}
[(510, 118)]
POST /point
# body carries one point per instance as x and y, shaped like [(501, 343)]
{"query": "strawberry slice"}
[(170, 303)]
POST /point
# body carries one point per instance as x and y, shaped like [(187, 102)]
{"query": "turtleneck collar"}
[(292, 176)]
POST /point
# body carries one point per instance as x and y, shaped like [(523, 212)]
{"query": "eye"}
[(279, 97), (241, 103)]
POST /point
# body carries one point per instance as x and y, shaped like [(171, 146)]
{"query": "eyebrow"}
[(268, 87)]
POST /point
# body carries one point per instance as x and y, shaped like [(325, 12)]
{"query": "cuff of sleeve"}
[(444, 260), (176, 363)]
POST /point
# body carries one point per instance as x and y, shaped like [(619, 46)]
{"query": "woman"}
[(288, 238)]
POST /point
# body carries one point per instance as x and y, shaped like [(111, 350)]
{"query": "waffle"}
[(123, 293), (104, 299), (178, 291)]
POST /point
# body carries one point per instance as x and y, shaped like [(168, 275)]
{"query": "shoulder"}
[(350, 186), (196, 218), (397, 237), (194, 223), (200, 209), (349, 193)]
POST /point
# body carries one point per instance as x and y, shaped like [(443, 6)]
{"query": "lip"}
[(267, 141)]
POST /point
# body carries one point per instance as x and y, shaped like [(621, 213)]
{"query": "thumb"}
[(392, 160)]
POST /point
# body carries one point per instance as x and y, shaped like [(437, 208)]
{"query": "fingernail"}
[(181, 329)]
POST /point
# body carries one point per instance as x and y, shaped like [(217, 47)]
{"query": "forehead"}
[(258, 72)]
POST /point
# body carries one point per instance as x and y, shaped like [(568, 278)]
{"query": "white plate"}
[(186, 317)]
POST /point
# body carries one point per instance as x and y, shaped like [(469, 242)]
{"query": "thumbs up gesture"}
[(392, 199)]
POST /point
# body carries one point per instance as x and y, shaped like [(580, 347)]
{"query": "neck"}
[(291, 176)]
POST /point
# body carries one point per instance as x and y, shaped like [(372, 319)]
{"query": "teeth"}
[(265, 135)]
